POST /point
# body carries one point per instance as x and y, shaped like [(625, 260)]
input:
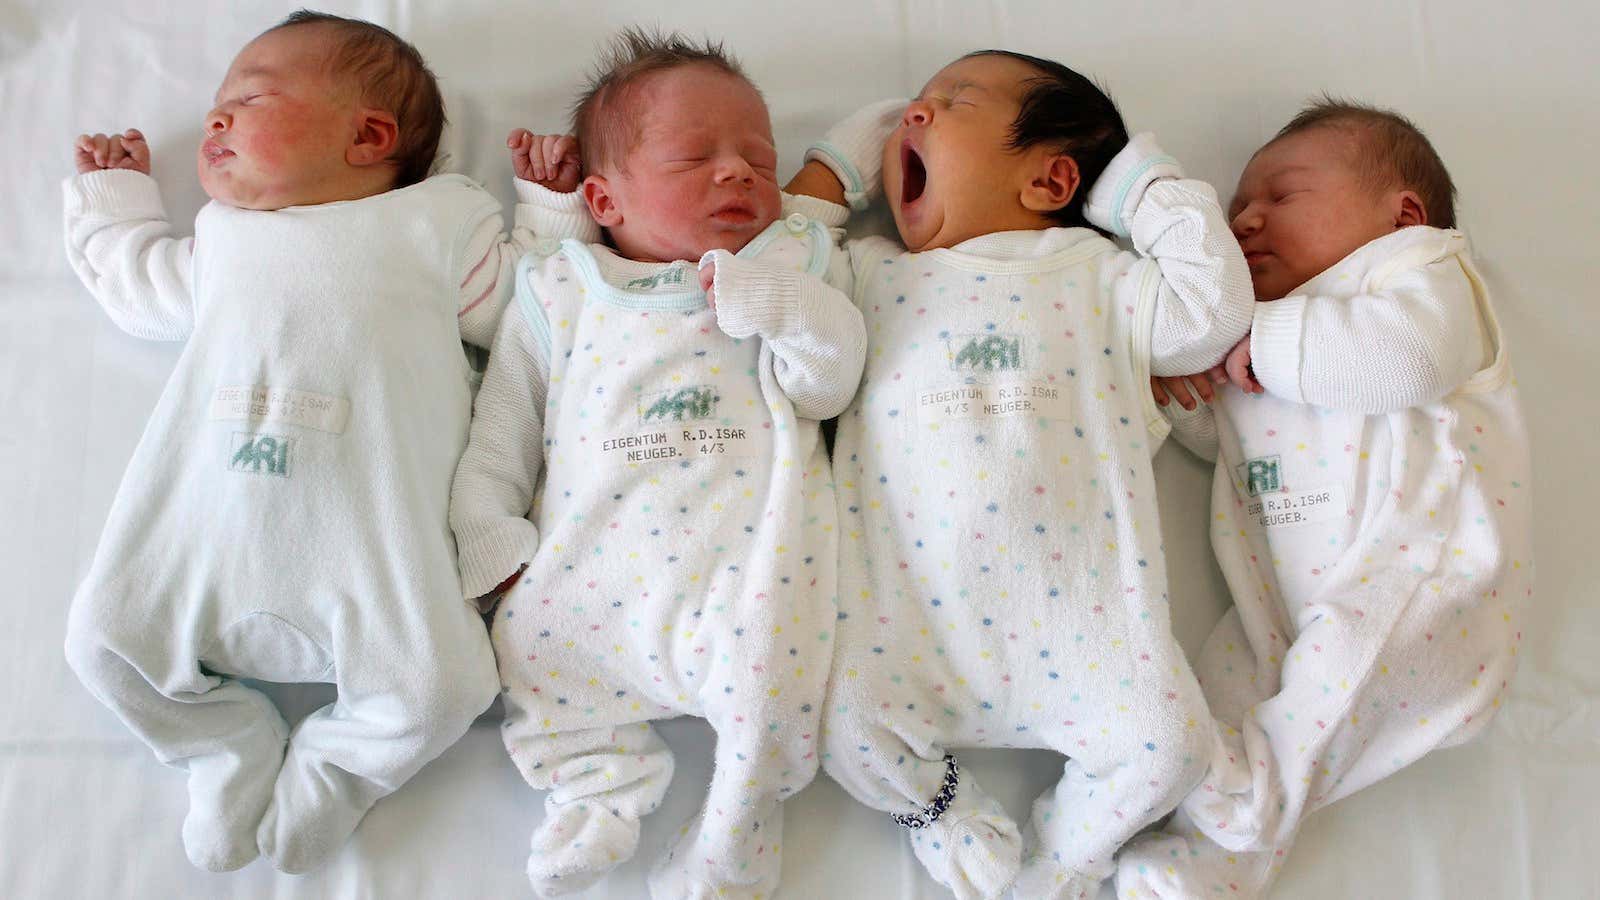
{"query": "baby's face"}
[(701, 173), (1301, 207), (278, 134), (948, 173)]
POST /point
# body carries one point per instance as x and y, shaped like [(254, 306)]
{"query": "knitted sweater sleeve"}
[(1410, 342), (1202, 293), (495, 480), (543, 217), (121, 246), (817, 335)]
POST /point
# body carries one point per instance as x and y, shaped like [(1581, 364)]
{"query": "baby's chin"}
[(722, 238)]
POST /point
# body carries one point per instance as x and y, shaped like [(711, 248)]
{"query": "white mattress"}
[(1507, 95)]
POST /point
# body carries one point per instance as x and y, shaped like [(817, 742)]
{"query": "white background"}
[(1507, 94)]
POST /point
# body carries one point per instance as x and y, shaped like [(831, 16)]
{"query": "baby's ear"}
[(602, 205), (377, 136), (1054, 180), (1410, 210)]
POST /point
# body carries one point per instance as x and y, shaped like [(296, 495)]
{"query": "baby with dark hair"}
[(285, 515), (1370, 507), (1001, 575)]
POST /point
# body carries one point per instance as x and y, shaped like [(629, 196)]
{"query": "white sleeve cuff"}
[(490, 551), (1275, 350), (1115, 195), (553, 215), (754, 298), (830, 214), (117, 193)]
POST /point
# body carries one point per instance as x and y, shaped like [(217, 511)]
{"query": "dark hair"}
[(1071, 114), (393, 77), (1391, 152), (630, 56)]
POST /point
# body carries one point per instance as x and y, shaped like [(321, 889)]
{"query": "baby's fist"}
[(118, 151), (548, 160)]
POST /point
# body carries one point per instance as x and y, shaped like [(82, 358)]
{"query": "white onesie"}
[(1001, 574), (1371, 515), (658, 468), (285, 515)]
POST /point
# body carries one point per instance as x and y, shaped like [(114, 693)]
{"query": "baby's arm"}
[(818, 338), (846, 166), (120, 243), (548, 209), (1412, 341), (1202, 295), (495, 479)]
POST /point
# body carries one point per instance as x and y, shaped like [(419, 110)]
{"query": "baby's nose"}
[(736, 170), (918, 112), (217, 121), (1246, 222)]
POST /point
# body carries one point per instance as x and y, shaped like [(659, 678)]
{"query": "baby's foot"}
[(577, 844), (1165, 866), (974, 848), (227, 798), (1042, 878), (748, 873), (309, 820)]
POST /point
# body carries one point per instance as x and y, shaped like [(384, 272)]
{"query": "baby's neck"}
[(951, 234)]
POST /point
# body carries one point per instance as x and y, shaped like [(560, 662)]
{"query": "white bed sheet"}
[(1508, 96)]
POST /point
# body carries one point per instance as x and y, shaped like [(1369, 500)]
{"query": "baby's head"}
[(320, 108), (677, 149), (1338, 176), (997, 141)]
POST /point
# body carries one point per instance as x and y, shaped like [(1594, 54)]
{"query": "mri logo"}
[(684, 404), (259, 454), (1260, 475), (984, 352)]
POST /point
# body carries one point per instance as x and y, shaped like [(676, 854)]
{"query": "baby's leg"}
[(766, 714), (409, 686), (228, 736), (577, 725), (1180, 862), (961, 835), (1373, 682), (601, 780), (1129, 762)]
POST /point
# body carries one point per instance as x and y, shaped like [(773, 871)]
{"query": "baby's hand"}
[(1185, 388), (708, 277), (1238, 367), (548, 160), (118, 151)]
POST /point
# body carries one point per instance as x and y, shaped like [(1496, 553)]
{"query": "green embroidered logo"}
[(1260, 475), (984, 352), (260, 454), (672, 276), (698, 402)]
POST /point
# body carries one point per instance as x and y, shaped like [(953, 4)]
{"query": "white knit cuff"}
[(853, 149), (116, 193), (830, 214), (1275, 349), (754, 298), (489, 551), (553, 215), (1115, 195)]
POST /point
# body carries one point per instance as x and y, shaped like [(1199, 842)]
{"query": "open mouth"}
[(913, 175)]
